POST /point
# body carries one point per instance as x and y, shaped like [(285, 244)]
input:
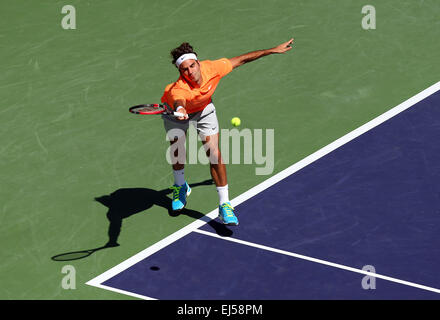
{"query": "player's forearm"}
[(248, 57)]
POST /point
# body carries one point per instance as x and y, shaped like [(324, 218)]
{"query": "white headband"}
[(184, 57)]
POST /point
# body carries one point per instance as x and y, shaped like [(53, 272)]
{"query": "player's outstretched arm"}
[(254, 55)]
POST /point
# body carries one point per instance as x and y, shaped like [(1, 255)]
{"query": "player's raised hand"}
[(284, 47)]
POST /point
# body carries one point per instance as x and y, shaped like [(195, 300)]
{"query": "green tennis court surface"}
[(67, 139)]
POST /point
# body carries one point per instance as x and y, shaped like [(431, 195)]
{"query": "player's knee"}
[(215, 156)]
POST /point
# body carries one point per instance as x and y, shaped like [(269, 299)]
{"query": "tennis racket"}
[(155, 109)]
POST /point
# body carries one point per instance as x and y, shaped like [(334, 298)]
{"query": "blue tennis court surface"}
[(374, 201)]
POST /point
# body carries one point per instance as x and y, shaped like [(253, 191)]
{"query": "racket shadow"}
[(126, 202), (76, 255)]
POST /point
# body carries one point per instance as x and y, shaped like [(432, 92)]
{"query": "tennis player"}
[(191, 95)]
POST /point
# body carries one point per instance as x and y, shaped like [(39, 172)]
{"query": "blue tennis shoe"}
[(180, 193), (226, 214)]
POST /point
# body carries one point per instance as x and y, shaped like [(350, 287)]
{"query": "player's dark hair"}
[(182, 49)]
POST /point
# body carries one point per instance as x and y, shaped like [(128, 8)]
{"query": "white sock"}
[(223, 194), (179, 177)]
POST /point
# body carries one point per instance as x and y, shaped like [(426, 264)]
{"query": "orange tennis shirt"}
[(198, 98)]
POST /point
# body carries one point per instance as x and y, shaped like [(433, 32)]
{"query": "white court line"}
[(264, 185), (128, 293), (327, 263)]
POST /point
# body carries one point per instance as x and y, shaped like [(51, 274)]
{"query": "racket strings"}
[(148, 109)]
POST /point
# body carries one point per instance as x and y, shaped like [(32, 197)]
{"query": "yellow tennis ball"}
[(235, 121)]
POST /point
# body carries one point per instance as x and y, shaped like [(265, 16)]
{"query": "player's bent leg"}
[(176, 134), (208, 129), (218, 173)]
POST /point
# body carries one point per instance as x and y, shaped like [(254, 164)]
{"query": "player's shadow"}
[(126, 202)]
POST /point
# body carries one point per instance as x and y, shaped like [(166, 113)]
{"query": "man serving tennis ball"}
[(191, 95)]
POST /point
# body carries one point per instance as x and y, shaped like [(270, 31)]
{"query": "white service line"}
[(324, 262), (264, 185)]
